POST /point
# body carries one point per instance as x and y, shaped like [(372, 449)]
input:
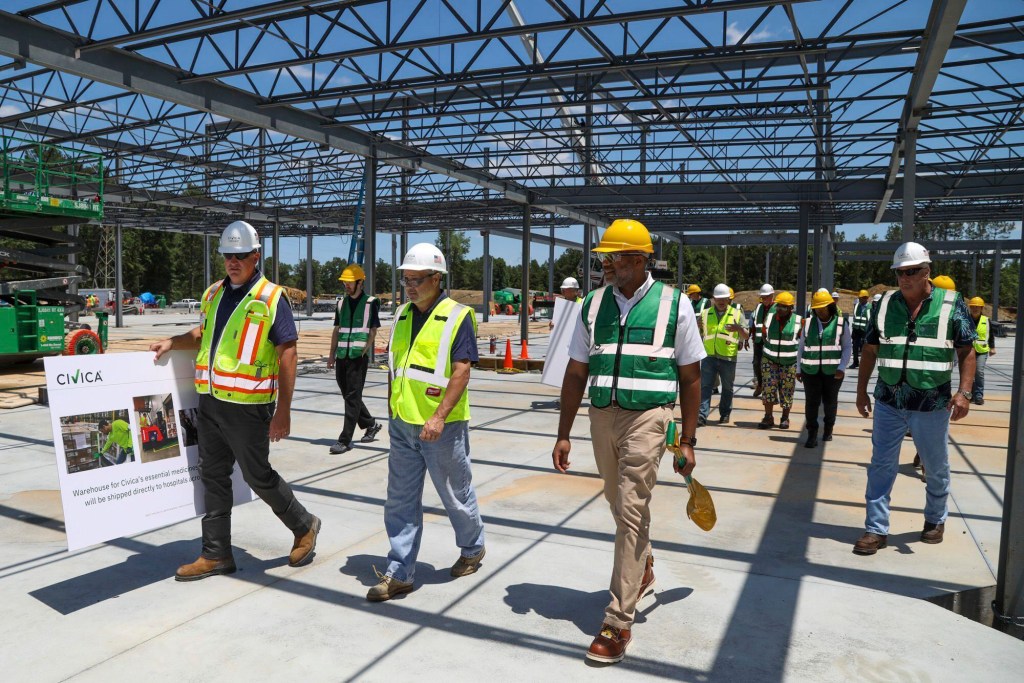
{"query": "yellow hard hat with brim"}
[(976, 301), (353, 273), (821, 299), (784, 299), (625, 234)]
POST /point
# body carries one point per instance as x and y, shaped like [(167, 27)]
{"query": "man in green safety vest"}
[(637, 348), (861, 313), (433, 344), (723, 328), (118, 434), (914, 335), (245, 376), (984, 347), (356, 322), (757, 318), (699, 301)]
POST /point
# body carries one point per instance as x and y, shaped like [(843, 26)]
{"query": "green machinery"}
[(42, 179)]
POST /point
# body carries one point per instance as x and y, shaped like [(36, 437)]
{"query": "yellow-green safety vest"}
[(981, 346), (420, 370), (246, 365), (717, 340)]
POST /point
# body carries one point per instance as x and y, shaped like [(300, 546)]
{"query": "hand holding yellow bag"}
[(700, 508)]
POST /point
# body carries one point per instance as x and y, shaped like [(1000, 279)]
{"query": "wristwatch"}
[(965, 394), (692, 440)]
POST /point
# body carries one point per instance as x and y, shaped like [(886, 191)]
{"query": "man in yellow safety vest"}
[(724, 329), (983, 348)]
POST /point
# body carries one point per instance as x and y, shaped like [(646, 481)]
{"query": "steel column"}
[(801, 259), (588, 244), (370, 223), (768, 266), (551, 258), (997, 270), (206, 262), (816, 263), (118, 281), (909, 184), (404, 248), (679, 263), (488, 281), (524, 296), (277, 251), (73, 261), (309, 275), (974, 275), (394, 270)]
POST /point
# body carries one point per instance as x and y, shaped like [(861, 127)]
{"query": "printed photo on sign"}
[(158, 427), (94, 440), (189, 421)]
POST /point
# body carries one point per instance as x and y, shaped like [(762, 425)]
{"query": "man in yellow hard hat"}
[(356, 322), (861, 313), (697, 298), (636, 345), (944, 282), (984, 347)]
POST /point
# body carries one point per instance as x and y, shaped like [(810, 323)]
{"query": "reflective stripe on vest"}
[(760, 313), (981, 346), (780, 344), (632, 362), (861, 313), (822, 350), (352, 337), (928, 359), (720, 342)]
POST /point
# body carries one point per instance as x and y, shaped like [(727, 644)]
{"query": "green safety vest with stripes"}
[(780, 341), (353, 326), (760, 313), (861, 315), (822, 350), (633, 362), (926, 360), (717, 340), (245, 365), (420, 368), (699, 305), (981, 346)]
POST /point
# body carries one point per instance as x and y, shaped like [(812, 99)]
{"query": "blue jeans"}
[(979, 376), (726, 370), (447, 461), (931, 432)]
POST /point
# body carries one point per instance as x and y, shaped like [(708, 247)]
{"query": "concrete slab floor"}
[(772, 593)]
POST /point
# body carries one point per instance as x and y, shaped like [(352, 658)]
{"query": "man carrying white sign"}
[(246, 356)]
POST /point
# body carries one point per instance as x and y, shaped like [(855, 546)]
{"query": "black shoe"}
[(978, 401), (812, 440), (827, 436), (340, 447), (701, 421), (715, 390), (854, 366), (371, 432), (723, 420)]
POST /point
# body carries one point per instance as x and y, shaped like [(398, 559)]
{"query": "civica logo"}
[(89, 377)]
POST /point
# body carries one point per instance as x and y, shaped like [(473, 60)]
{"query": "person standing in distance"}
[(432, 346), (636, 345), (570, 291), (356, 322), (245, 376), (861, 313), (983, 348), (767, 296), (723, 328)]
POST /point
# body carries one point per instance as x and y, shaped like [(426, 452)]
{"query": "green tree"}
[(382, 276), (455, 247)]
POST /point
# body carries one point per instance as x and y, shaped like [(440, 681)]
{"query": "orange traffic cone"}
[(525, 355), (507, 365)]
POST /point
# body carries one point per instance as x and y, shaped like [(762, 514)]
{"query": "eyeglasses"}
[(617, 256), (414, 281), (908, 272), (237, 257)]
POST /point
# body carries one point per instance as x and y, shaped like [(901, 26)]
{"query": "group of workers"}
[(638, 347)]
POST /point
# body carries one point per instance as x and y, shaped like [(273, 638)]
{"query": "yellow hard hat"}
[(944, 282), (976, 301), (625, 234), (784, 299), (863, 292), (693, 289), (732, 294), (353, 273), (821, 299)]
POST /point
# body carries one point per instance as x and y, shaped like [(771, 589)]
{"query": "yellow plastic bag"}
[(700, 508)]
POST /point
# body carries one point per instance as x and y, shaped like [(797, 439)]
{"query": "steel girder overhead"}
[(704, 115)]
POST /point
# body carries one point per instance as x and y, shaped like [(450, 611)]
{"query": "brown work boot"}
[(932, 533), (647, 585), (465, 566), (203, 567), (387, 588), (610, 644), (869, 543), (302, 549)]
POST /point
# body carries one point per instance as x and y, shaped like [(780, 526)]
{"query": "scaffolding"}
[(43, 179)]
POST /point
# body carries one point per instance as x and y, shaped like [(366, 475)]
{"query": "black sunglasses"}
[(238, 257), (908, 272)]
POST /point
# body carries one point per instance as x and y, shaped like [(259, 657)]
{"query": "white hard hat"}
[(835, 295), (424, 256), (239, 238), (877, 297), (570, 283), (766, 290), (910, 254), (721, 291)]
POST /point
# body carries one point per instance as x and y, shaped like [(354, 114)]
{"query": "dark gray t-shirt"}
[(464, 344)]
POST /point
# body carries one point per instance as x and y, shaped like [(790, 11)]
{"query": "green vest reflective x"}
[(353, 326), (780, 340), (699, 305), (981, 346), (633, 362), (760, 313), (861, 314), (245, 367), (927, 356), (822, 350), (717, 340), (420, 368)]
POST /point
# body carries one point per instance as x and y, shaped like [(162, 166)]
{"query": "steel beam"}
[(370, 228), (997, 269), (309, 275), (488, 281), (801, 259), (524, 296), (118, 281)]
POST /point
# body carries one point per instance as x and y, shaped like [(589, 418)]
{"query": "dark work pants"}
[(818, 389), (758, 353), (351, 376), (858, 344), (230, 433)]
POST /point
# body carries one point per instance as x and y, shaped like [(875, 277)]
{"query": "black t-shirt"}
[(464, 343), (351, 303), (283, 330)]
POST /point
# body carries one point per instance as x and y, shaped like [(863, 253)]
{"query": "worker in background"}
[(723, 329), (119, 435), (356, 322), (861, 313), (984, 347), (913, 336), (781, 335), (570, 291), (822, 358), (698, 300), (633, 391), (757, 318), (432, 346), (944, 282), (245, 377)]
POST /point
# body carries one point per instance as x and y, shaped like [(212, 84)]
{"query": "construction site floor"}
[(772, 593)]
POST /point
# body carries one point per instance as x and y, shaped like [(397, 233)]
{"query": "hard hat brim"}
[(235, 250)]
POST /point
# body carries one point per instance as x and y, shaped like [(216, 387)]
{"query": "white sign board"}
[(143, 473), (565, 316)]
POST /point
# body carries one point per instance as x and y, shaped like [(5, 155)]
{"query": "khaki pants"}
[(628, 445)]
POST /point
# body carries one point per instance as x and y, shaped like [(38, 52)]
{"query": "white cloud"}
[(10, 110), (733, 34)]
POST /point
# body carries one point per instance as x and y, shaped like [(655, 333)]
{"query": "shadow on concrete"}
[(361, 568)]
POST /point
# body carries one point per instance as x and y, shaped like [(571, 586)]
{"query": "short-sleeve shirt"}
[(282, 331), (464, 343), (351, 303), (689, 347), (902, 396)]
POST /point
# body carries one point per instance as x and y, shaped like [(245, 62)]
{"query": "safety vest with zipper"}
[(245, 365), (780, 341), (353, 326), (633, 362), (981, 346), (919, 351), (823, 350), (718, 341)]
